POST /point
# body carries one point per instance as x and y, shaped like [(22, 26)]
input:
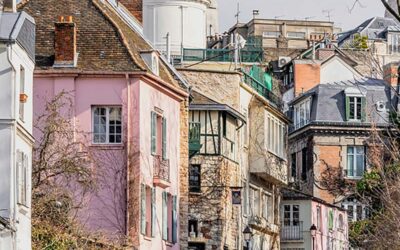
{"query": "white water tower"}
[(184, 20)]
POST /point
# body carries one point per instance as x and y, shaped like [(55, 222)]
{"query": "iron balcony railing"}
[(292, 230), (161, 168), (262, 90), (222, 55)]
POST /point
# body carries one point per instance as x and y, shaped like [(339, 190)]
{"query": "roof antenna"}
[(328, 13), (237, 13)]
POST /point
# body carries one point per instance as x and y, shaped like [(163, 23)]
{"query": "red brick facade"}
[(306, 76)]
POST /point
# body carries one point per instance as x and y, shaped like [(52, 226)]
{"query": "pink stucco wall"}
[(337, 237), (105, 210)]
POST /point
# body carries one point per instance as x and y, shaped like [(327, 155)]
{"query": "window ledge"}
[(107, 145), (148, 238), (195, 193), (353, 178)]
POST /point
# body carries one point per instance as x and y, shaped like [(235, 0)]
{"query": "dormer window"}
[(355, 105), (152, 61), (302, 113)]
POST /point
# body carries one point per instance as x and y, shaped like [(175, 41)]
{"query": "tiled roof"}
[(105, 41)]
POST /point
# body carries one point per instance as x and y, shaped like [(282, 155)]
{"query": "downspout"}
[(127, 154)]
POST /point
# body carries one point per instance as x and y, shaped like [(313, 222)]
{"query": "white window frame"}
[(355, 154), (356, 103), (302, 113), (276, 144), (22, 178), (346, 204), (294, 35), (107, 125), (271, 34), (291, 212)]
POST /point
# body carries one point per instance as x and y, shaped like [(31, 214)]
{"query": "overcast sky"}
[(300, 9)]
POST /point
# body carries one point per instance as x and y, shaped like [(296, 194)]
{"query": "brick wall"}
[(390, 74), (306, 76), (135, 7)]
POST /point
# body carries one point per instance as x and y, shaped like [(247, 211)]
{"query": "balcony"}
[(161, 172), (250, 55), (194, 138), (262, 90), (292, 232)]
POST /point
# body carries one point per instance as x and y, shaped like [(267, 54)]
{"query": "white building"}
[(17, 44), (186, 21)]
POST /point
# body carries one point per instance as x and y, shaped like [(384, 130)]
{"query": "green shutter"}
[(347, 108), (164, 216), (174, 220), (330, 219), (143, 210), (153, 132), (153, 212), (363, 109), (164, 138)]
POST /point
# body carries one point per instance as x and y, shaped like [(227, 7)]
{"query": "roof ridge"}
[(96, 3)]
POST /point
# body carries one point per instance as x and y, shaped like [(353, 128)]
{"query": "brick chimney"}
[(390, 74), (9, 5), (135, 7), (65, 42)]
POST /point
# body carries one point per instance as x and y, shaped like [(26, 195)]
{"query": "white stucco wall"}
[(335, 70), (15, 135)]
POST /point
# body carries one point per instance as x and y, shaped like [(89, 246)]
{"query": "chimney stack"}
[(65, 42), (9, 5), (390, 74), (135, 7)]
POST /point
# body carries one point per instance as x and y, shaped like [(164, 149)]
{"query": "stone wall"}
[(218, 220)]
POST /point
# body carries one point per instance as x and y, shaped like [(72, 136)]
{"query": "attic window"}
[(355, 103), (152, 61)]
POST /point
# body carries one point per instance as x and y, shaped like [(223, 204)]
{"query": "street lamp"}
[(313, 230), (247, 236)]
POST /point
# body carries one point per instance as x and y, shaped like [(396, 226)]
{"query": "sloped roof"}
[(293, 194), (18, 27), (328, 102), (105, 41)]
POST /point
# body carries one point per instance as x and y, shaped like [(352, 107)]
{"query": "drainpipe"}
[(127, 153), (313, 50)]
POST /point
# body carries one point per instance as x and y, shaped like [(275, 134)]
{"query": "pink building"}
[(128, 105), (300, 211)]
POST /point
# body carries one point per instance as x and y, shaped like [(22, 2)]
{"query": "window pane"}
[(296, 214), (359, 212), (352, 105), (360, 165), (350, 165), (358, 117), (114, 126), (350, 212)]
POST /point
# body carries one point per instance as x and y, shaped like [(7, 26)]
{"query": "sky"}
[(300, 9)]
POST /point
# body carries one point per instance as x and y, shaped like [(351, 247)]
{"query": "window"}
[(355, 108), (193, 228), (291, 215), (341, 222), (276, 136), (298, 35), (330, 219), (304, 164), (107, 125), (355, 210), (355, 161), (22, 178), (394, 46), (319, 218), (195, 178), (158, 135), (302, 113), (148, 211), (265, 206), (22, 96), (293, 165), (272, 34), (169, 217)]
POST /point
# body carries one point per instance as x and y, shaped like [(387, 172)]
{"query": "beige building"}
[(278, 33)]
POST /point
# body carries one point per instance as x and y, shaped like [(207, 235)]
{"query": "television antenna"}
[(328, 13)]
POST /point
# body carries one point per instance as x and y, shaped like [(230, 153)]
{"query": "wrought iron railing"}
[(293, 230), (161, 168), (262, 90)]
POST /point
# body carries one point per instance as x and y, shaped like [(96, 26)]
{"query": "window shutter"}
[(330, 219), (25, 182), (164, 138), (143, 210), (347, 105), (153, 212), (164, 216), (363, 109), (174, 220), (153, 132), (18, 176)]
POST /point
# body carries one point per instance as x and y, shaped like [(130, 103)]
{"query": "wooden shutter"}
[(174, 220), (153, 212), (363, 109), (164, 216), (143, 209), (347, 107), (18, 177), (153, 132), (164, 138)]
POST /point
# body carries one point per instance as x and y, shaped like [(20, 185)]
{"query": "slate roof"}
[(105, 40), (328, 101), (374, 28), (18, 27)]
